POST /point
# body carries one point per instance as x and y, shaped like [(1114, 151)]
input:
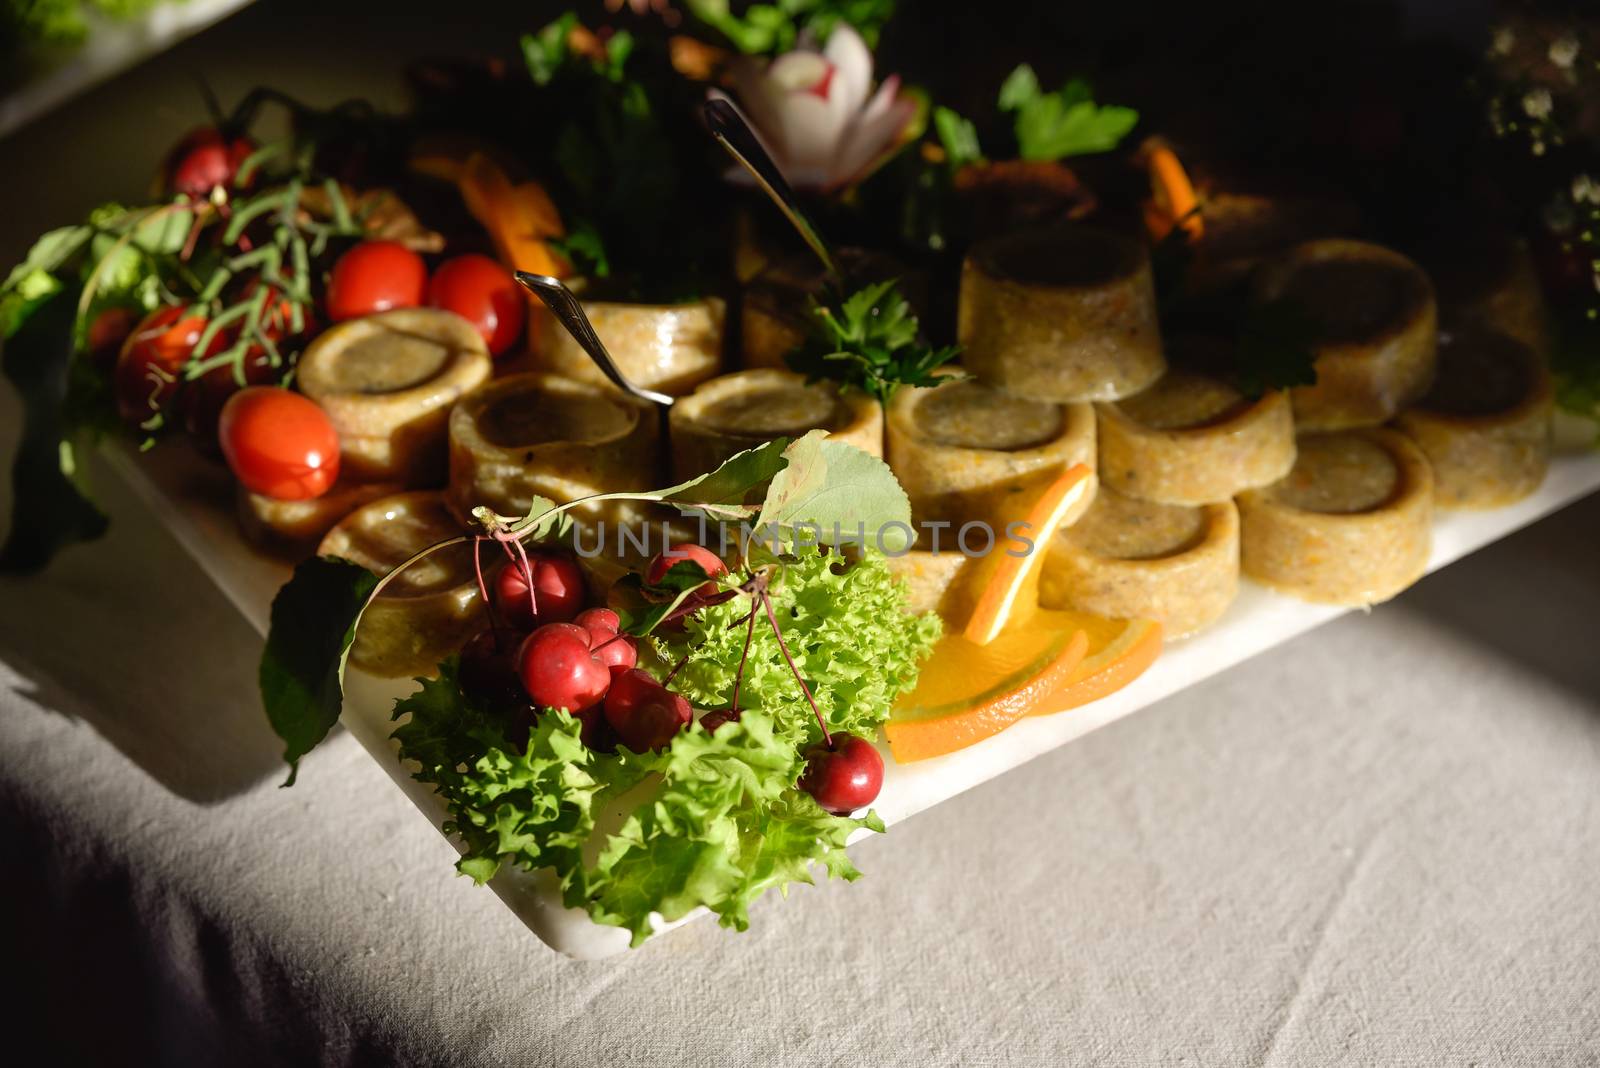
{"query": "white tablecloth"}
[(1379, 844)]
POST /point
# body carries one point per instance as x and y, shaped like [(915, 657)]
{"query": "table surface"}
[(1378, 844)]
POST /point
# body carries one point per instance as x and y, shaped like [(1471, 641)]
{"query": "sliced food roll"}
[(387, 382), (1487, 280), (1133, 559), (962, 449), (543, 435), (1194, 439), (740, 411), (1064, 314), (431, 608), (1349, 525), (293, 528), (1374, 327), (1485, 425), (670, 348)]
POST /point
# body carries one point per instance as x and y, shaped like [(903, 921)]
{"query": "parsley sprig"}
[(1047, 126), (869, 341)]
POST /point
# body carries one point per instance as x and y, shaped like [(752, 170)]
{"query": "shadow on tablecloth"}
[(1530, 597)]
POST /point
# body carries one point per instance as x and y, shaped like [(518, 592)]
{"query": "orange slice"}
[(1009, 585), (1172, 196), (1120, 650), (967, 692)]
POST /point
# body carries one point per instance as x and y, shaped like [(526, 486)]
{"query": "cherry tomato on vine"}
[(152, 359), (375, 276), (482, 292), (279, 443)]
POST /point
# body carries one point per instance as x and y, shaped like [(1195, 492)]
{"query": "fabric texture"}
[(1378, 844)]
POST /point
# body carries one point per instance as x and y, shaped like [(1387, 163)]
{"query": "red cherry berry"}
[(645, 714), (203, 160), (616, 650), (559, 671), (677, 554), (558, 588), (844, 778), (594, 731), (717, 717), (153, 357), (488, 671)]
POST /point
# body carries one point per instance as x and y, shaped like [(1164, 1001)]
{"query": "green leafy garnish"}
[(721, 821), (766, 29), (314, 620), (869, 341), (1067, 122), (1276, 348), (848, 629)]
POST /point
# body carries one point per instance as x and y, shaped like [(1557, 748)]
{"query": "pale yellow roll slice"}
[(387, 382), (670, 348), (1133, 559), (294, 527), (1486, 424), (1375, 329), (1194, 439), (1350, 525), (1064, 314), (428, 611), (962, 449), (540, 435), (740, 411)]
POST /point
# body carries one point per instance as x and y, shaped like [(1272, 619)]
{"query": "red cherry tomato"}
[(202, 403), (375, 276), (279, 444), (482, 292), (152, 358)]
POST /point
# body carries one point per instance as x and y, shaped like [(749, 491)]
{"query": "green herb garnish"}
[(869, 341), (766, 29), (1276, 348), (1067, 122)]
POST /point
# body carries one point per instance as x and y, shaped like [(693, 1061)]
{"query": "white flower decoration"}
[(817, 114)]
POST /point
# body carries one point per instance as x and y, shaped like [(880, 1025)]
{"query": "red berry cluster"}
[(549, 651)]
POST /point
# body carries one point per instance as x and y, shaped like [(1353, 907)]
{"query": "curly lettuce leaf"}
[(723, 821), (846, 627)]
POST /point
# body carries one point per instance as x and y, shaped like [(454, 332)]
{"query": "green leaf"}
[(868, 340), (837, 491), (720, 495), (48, 255), (1052, 126), (313, 622), (1276, 348), (49, 510), (546, 51), (958, 136), (1020, 89)]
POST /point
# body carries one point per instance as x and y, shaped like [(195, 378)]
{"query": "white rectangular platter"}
[(194, 499)]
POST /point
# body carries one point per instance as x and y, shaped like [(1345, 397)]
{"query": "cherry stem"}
[(738, 678), (483, 587), (519, 557), (777, 632)]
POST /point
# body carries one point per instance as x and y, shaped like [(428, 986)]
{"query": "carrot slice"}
[(1173, 202)]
